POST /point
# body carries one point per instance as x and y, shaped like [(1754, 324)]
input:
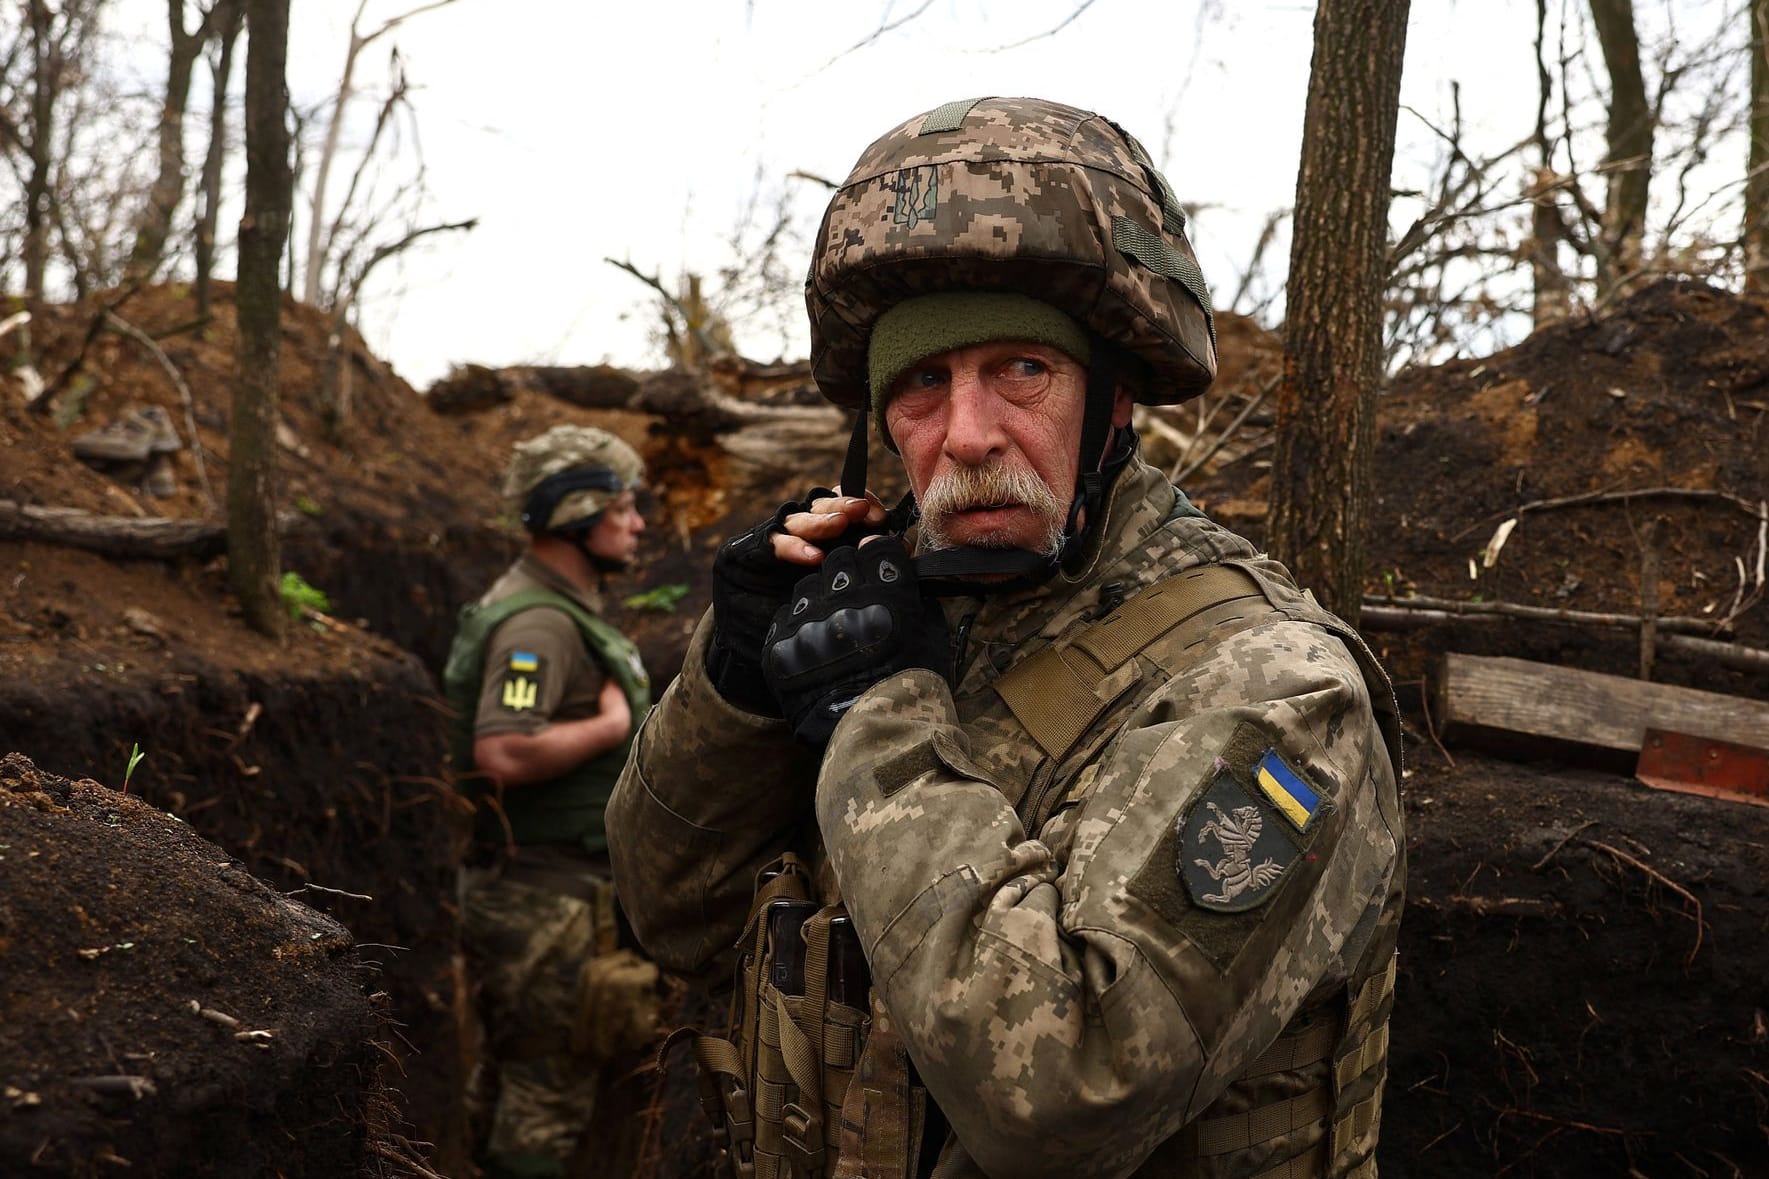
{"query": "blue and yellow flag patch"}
[(524, 661), (1285, 786)]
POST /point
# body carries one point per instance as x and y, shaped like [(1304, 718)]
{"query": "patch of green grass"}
[(297, 595), (662, 598), (136, 753), (308, 506)]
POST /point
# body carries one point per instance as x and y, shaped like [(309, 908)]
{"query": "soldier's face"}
[(616, 535), (989, 436)]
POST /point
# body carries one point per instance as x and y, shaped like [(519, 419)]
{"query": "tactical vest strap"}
[(1361, 1119), (1360, 1071), (1298, 1051), (724, 1096), (1361, 1060), (1358, 1049), (1226, 1135), (1057, 693), (1375, 991), (1312, 1165)]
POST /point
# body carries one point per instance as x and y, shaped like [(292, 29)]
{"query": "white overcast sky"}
[(576, 130)]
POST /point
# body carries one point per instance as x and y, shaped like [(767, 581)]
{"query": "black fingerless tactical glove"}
[(859, 618), (749, 584)]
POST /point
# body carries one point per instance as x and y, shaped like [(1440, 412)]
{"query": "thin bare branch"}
[(1050, 32)]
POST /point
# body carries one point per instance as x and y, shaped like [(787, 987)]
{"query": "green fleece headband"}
[(927, 325)]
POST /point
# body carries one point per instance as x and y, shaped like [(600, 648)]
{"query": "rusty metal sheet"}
[(1703, 765)]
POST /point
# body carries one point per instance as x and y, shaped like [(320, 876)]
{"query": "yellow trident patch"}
[(520, 693)]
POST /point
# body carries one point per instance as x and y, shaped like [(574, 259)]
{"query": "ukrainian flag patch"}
[(1285, 786), (524, 661)]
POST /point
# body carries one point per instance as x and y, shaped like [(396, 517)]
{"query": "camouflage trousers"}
[(566, 1014)]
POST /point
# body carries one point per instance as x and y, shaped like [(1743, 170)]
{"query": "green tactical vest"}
[(569, 808)]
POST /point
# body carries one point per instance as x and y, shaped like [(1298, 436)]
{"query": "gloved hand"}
[(750, 583), (857, 619)]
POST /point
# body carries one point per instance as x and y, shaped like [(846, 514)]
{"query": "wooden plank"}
[(1585, 707)]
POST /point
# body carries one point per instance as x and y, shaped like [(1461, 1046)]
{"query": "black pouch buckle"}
[(801, 1140)]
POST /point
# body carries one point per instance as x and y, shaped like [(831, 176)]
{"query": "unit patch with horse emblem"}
[(1245, 831), (1231, 852)]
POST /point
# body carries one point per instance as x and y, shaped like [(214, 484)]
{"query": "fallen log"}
[(1377, 615), (120, 536), (1434, 610)]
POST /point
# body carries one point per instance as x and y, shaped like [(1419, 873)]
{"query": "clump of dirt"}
[(166, 1011)]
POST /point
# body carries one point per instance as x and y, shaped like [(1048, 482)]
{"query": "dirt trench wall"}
[(407, 581), (1584, 980), (324, 779)]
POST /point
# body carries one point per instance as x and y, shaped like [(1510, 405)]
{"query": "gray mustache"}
[(995, 485)]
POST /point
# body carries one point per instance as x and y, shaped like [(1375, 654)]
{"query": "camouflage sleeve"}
[(530, 661), (709, 795), (1070, 1013)]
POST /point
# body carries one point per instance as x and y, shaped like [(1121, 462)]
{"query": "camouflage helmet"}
[(1012, 194), (568, 475)]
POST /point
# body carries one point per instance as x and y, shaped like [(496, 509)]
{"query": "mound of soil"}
[(165, 1011), (1581, 986), (316, 761), (1657, 410)]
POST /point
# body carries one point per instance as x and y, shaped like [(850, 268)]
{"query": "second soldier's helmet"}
[(1020, 195), (564, 479)]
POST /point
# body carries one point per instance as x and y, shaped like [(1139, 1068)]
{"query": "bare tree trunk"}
[(228, 16), (46, 69), (1320, 476), (154, 224), (253, 555), (314, 265), (1553, 297), (1756, 189), (1629, 158)]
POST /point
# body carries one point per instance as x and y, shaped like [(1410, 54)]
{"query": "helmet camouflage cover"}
[(569, 448), (1012, 194)]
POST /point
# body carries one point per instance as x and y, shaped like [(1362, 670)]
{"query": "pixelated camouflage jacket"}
[(1069, 1005)]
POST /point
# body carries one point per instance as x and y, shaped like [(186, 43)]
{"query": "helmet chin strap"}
[(957, 571), (578, 537)]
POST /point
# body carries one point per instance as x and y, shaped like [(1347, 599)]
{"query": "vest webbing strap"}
[(1312, 1165), (1289, 1053), (1362, 1059), (1234, 1132), (802, 1121), (1375, 989), (1055, 694), (1355, 1124)]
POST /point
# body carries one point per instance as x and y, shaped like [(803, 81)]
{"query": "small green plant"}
[(297, 595), (136, 753), (308, 506), (662, 598)]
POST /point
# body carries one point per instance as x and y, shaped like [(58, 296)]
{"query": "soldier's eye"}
[(1026, 367), (918, 380)]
